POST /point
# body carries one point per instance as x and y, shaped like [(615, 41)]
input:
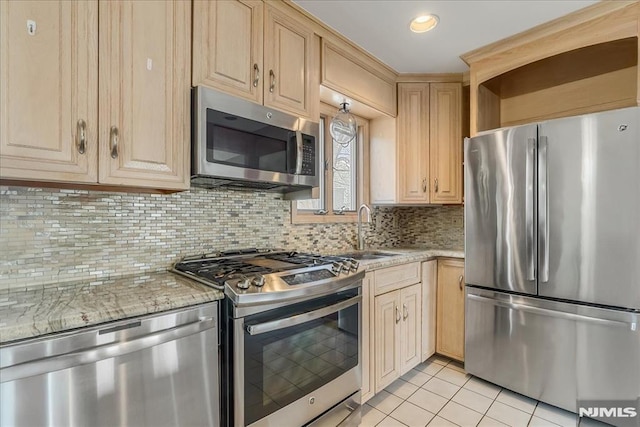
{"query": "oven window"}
[(284, 365), (236, 141)]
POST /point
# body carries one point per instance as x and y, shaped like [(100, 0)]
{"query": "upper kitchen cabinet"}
[(265, 52), (144, 93), (558, 69), (227, 41), (49, 90), (445, 143), (349, 72), (418, 156), (96, 93)]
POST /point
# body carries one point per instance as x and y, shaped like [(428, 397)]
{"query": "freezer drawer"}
[(552, 351)]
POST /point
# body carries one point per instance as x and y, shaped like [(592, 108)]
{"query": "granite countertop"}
[(31, 312), (407, 255)]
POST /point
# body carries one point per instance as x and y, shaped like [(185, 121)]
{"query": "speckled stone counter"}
[(31, 312), (407, 255)]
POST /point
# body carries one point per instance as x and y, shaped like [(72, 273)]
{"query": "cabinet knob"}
[(460, 280), (256, 78), (81, 136), (424, 185), (436, 185), (272, 75), (114, 142), (405, 312), (397, 314)]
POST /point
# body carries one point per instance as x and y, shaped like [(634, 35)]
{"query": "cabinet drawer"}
[(396, 277)]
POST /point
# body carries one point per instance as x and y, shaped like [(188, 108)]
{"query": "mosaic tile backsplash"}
[(49, 235)]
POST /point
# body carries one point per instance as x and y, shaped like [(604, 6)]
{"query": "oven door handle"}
[(274, 325)]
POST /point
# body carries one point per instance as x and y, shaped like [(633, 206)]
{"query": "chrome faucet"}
[(360, 235)]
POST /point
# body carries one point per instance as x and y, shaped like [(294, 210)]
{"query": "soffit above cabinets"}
[(381, 27)]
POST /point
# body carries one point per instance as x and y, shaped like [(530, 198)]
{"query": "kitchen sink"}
[(367, 255)]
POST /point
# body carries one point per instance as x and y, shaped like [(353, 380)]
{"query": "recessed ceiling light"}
[(424, 23)]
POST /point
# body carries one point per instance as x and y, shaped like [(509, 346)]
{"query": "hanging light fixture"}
[(343, 127)]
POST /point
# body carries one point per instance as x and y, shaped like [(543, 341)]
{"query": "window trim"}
[(362, 151)]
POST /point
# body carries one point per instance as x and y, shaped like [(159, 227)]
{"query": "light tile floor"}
[(440, 393)]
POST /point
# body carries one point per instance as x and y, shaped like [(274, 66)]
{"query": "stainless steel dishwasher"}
[(159, 370)]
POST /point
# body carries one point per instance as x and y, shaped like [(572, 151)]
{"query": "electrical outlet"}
[(378, 222), (395, 221), (456, 222)]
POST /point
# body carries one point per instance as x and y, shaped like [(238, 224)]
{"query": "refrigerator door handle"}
[(543, 204), (530, 209), (553, 313)]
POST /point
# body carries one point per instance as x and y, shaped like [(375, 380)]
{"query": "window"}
[(342, 185)]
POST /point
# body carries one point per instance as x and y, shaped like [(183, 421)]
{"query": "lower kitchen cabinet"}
[(397, 334), (450, 309), (429, 284), (368, 374)]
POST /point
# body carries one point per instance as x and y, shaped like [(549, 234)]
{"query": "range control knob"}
[(258, 281), (346, 266), (354, 265), (243, 283), (336, 268)]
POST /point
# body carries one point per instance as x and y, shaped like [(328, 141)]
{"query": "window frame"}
[(299, 216)]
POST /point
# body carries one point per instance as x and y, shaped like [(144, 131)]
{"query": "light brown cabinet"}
[(227, 45), (445, 143), (397, 334), (429, 285), (427, 147), (51, 92), (144, 93), (263, 52), (368, 373), (413, 143), (450, 309)]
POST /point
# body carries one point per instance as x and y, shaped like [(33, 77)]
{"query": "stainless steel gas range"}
[(291, 336)]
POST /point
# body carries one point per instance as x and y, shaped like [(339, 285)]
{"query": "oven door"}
[(296, 362)]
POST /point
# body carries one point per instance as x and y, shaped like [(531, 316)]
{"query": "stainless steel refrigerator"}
[(552, 258)]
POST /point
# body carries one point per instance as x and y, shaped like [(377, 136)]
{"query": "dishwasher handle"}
[(107, 351)]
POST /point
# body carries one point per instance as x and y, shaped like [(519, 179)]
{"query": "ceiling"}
[(381, 27)]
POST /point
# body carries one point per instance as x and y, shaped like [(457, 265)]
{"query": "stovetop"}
[(255, 275)]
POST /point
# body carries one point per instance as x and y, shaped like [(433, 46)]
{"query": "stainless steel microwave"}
[(237, 143)]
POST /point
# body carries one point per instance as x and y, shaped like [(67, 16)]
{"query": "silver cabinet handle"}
[(272, 75), (256, 79), (436, 185), (460, 279), (424, 185), (274, 325), (81, 136), (114, 142), (397, 314), (95, 354), (405, 312)]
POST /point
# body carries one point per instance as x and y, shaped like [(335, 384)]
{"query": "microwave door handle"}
[(274, 325), (299, 152)]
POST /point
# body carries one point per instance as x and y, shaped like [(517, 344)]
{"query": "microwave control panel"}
[(308, 156)]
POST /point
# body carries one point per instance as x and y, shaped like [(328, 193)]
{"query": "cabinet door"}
[(290, 51), (429, 281), (410, 331), (368, 359), (450, 333), (445, 142), (145, 93), (387, 338), (413, 143), (48, 89), (227, 46)]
